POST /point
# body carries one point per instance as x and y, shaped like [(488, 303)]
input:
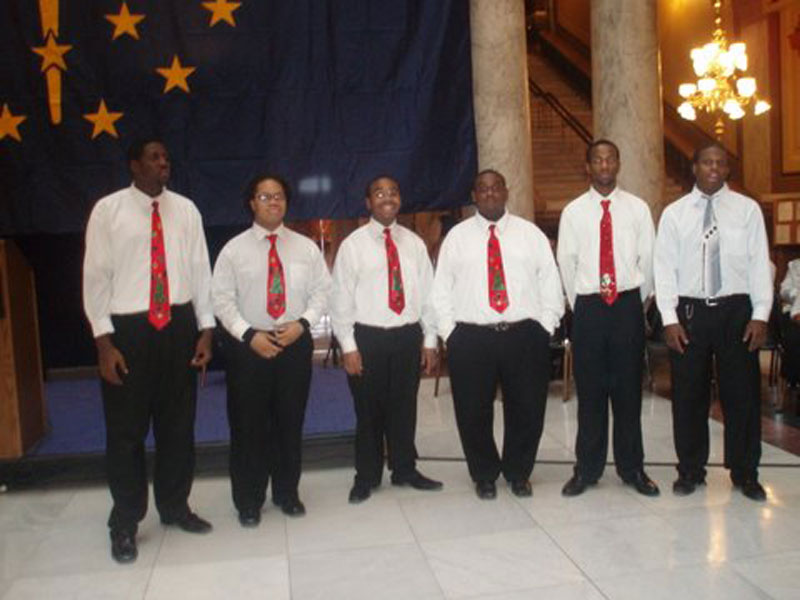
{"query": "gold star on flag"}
[(176, 75), (222, 10), (9, 124), (52, 54), (125, 22), (103, 120)]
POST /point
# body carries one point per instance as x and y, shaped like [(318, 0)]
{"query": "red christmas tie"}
[(397, 300), (159, 313), (276, 284), (498, 295), (608, 276)]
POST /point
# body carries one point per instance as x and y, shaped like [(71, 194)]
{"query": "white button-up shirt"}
[(361, 289), (744, 253), (239, 287), (579, 243), (116, 266), (461, 286)]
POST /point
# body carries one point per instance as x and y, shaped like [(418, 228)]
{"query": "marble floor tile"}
[(121, 584), (499, 563), (777, 575), (391, 572), (718, 582), (33, 509), (457, 515), (375, 522), (243, 579), (568, 591)]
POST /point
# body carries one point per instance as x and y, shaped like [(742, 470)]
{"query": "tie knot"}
[(272, 237), (491, 230), (605, 204), (155, 205), (387, 232)]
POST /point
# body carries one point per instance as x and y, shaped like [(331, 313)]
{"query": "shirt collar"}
[(596, 197), (145, 200), (260, 233), (699, 196), (483, 223), (377, 229)]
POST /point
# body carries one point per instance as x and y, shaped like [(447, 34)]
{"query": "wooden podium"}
[(22, 414)]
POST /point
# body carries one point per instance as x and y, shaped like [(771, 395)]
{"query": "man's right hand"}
[(110, 360), (265, 346), (352, 363), (676, 337)]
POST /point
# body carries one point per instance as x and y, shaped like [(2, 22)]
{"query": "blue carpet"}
[(75, 412)]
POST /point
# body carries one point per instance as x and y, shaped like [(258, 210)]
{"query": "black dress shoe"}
[(418, 481), (685, 484), (359, 493), (123, 546), (521, 488), (188, 522), (643, 484), (753, 490), (575, 486), (250, 517), (292, 507), (486, 490)]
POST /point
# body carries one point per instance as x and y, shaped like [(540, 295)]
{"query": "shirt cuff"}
[(239, 328), (430, 341), (312, 317), (446, 330), (669, 317), (348, 344), (102, 326), (760, 313), (206, 321)]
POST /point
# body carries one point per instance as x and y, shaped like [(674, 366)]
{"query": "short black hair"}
[(136, 149), (706, 146), (485, 172), (252, 185), (601, 142), (374, 179)]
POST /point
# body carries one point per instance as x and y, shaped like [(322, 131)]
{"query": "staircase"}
[(559, 152)]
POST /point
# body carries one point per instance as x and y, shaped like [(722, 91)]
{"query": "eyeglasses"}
[(381, 193), (264, 197), (485, 189)]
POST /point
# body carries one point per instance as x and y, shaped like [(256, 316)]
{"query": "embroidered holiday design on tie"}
[(712, 267), (276, 284), (608, 275), (397, 300), (498, 294), (159, 313)]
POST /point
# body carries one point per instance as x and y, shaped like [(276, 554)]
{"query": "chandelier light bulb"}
[(746, 86), (739, 53), (732, 107), (687, 89), (761, 107), (687, 111), (706, 85), (726, 63)]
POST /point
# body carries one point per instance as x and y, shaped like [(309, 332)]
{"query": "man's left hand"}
[(429, 359), (202, 352), (287, 334), (756, 334)]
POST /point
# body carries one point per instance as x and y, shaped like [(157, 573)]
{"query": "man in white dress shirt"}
[(611, 229), (146, 292), (498, 299), (382, 316), (270, 287), (714, 291), (790, 324)]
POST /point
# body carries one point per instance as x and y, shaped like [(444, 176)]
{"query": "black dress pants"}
[(266, 409), (716, 332), (517, 356), (790, 338), (385, 398), (160, 387), (608, 350)]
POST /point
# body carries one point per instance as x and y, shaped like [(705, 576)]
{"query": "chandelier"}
[(722, 87)]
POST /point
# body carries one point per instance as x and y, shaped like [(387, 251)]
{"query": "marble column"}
[(626, 93), (500, 95)]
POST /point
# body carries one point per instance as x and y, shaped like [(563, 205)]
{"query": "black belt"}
[(501, 326), (714, 302)]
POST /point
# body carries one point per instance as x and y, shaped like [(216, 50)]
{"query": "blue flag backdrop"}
[(328, 93)]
